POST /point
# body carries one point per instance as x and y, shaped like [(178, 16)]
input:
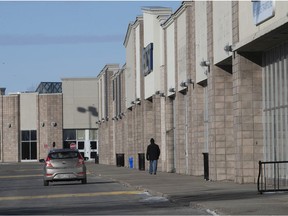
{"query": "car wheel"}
[(46, 183), (84, 181)]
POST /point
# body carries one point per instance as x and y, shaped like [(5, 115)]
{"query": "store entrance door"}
[(88, 148), (81, 147), (85, 140)]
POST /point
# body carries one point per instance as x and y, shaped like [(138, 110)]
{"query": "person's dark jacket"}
[(153, 152)]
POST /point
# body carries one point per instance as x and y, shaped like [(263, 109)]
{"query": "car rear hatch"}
[(66, 159), (64, 163)]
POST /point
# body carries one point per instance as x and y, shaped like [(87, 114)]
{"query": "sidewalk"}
[(224, 198)]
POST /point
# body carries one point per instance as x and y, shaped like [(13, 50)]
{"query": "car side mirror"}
[(86, 158), (41, 160)]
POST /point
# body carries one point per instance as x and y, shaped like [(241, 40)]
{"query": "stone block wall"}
[(170, 130), (235, 142), (247, 109), (197, 130), (10, 127), (49, 109)]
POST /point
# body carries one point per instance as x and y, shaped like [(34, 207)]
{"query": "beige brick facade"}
[(248, 128), (10, 134), (49, 109), (232, 134)]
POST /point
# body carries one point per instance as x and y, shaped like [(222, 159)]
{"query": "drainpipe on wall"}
[(185, 84), (174, 137), (186, 131)]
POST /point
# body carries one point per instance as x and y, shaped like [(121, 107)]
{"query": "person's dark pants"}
[(153, 167)]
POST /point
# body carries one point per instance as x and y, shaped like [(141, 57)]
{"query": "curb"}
[(139, 188)]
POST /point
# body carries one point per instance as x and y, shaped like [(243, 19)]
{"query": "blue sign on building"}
[(263, 10), (147, 59)]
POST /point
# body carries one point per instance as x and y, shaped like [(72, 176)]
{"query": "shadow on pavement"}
[(214, 196)]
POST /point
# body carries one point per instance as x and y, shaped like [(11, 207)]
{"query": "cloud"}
[(20, 40)]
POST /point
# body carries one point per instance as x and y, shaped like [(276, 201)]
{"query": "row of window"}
[(29, 141), (31, 135), (71, 134)]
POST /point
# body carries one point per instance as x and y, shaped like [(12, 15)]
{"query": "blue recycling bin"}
[(131, 165)]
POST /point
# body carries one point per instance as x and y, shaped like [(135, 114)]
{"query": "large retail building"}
[(208, 82)]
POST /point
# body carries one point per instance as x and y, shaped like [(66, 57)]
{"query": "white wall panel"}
[(181, 48), (247, 28), (157, 54), (28, 111), (138, 61), (153, 33), (100, 99), (222, 29), (201, 39), (148, 28), (130, 69), (170, 51), (103, 96), (79, 93), (149, 37)]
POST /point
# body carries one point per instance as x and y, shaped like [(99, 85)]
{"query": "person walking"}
[(152, 155)]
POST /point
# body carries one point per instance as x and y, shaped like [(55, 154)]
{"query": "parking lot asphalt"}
[(218, 197)]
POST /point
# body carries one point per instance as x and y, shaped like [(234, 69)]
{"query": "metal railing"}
[(272, 176)]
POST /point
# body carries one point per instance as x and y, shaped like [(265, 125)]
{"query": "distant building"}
[(31, 122)]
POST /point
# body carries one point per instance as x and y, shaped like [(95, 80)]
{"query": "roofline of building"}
[(157, 10), (78, 78), (108, 66), (129, 29), (176, 14)]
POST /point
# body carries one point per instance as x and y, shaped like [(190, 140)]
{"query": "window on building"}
[(80, 134), (29, 145), (81, 145), (69, 137), (93, 135), (69, 134)]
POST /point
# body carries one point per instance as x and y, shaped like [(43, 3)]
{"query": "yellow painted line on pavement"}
[(26, 176), (22, 170), (19, 176), (54, 196)]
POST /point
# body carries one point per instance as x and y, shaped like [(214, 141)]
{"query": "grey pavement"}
[(218, 197)]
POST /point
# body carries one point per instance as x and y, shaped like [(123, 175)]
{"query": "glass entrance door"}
[(84, 148), (93, 149), (86, 141), (80, 145)]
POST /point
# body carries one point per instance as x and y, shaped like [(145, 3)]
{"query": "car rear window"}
[(63, 155)]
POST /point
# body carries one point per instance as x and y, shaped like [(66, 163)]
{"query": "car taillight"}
[(48, 162), (80, 160), (81, 173)]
